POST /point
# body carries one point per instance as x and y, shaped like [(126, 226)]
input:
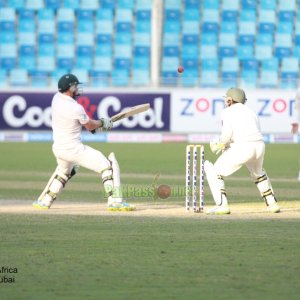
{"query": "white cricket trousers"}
[(250, 154), (83, 156)]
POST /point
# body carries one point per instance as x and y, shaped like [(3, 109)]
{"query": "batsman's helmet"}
[(66, 81), (237, 95)]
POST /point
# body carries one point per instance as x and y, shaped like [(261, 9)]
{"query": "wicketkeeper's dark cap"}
[(66, 81)]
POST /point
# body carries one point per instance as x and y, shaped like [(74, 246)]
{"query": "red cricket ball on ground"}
[(180, 69)]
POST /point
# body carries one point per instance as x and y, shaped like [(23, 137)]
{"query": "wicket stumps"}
[(191, 190)]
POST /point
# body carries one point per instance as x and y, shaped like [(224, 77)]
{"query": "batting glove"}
[(107, 124), (216, 147)]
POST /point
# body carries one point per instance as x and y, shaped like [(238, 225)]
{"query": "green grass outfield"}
[(62, 255)]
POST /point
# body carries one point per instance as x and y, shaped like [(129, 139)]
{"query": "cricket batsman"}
[(68, 118), (241, 143)]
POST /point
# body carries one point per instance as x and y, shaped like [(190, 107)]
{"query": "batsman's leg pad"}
[(265, 188), (117, 191), (55, 185), (216, 184), (107, 180)]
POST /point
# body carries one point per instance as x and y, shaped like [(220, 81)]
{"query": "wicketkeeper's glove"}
[(216, 147)]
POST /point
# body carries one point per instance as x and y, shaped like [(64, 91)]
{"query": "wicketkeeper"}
[(68, 118), (241, 143)]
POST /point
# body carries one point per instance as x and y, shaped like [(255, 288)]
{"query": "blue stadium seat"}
[(245, 52), (99, 78), (127, 26), (85, 21), (143, 15), (210, 20), (231, 5), (228, 27), (84, 57), (46, 49), (169, 39), (227, 45), (66, 38), (229, 71), (209, 78), (45, 38), (211, 4), (267, 21), (124, 15), (46, 27), (169, 63), (3, 78), (27, 56), (285, 27), (249, 4), (124, 51), (173, 4), (143, 4), (191, 27), (194, 4), (172, 15), (287, 5), (268, 4), (104, 50), (17, 4), (53, 4), (8, 56), (104, 27), (249, 78), (289, 72), (140, 77), (190, 51), (271, 64), (191, 15), (283, 45), (110, 4), (210, 64), (120, 77), (264, 46), (127, 4), (26, 20), (141, 63), (142, 39), (122, 63), (45, 63), (39, 78), (35, 4), (104, 14), (18, 77), (229, 15), (89, 4), (171, 51), (190, 78), (248, 15), (74, 4), (85, 39), (169, 78), (208, 51), (82, 74), (103, 63), (268, 79)]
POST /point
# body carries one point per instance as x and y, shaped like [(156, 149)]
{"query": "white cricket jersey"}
[(240, 124), (67, 119)]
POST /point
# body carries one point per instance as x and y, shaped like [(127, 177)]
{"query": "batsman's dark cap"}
[(66, 81)]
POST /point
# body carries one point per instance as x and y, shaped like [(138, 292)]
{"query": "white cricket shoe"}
[(274, 208), (218, 210)]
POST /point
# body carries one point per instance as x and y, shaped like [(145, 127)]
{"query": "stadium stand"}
[(253, 43)]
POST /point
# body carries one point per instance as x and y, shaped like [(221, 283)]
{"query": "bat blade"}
[(130, 112)]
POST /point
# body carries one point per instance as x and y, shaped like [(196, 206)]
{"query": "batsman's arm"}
[(93, 124)]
